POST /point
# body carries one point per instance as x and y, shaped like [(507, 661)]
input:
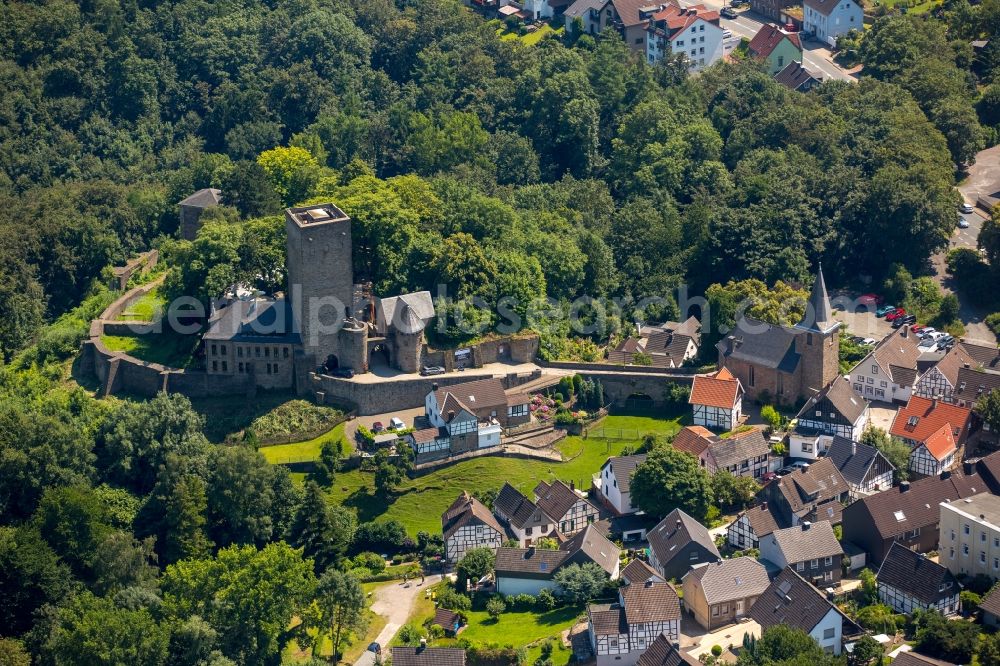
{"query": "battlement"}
[(311, 216)]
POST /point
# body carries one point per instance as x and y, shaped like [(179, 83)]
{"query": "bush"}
[(410, 634), (993, 321), (454, 600), (716, 650), (545, 601), (521, 602), (370, 561), (296, 417), (495, 607), (771, 417), (436, 630)]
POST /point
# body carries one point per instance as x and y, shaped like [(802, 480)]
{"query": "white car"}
[(966, 208), (396, 423), (868, 342), (963, 223), (927, 344)]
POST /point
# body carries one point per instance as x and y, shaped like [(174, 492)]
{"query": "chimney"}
[(423, 645), (904, 486), (649, 582), (729, 344), (904, 331), (680, 523), (763, 505), (806, 525), (572, 485), (934, 402), (854, 448), (968, 468), (434, 386), (945, 474), (966, 366)]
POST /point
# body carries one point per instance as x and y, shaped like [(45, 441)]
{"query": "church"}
[(782, 364)]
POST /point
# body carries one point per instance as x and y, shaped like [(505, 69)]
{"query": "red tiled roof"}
[(941, 443), (693, 440), (768, 38), (923, 418), (719, 389)]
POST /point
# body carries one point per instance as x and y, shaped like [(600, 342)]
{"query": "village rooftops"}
[(205, 198), (555, 499), (464, 510), (923, 418), (915, 574), (738, 447), (982, 508), (808, 541), (528, 562), (622, 468), (793, 601), (427, 656), (795, 77), (473, 396), (308, 216), (839, 397), (517, 508), (595, 546), (761, 46), (762, 521), (676, 531), (727, 580), (638, 571), (718, 389), (650, 602), (853, 459), (662, 652)]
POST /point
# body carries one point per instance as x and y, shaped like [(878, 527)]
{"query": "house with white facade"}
[(836, 410), (621, 632), (693, 31), (468, 524), (889, 372), (474, 414), (942, 380), (829, 19), (934, 430), (741, 453), (614, 482), (525, 521), (793, 601), (753, 525), (865, 469), (970, 535), (716, 400), (570, 511), (909, 581), (530, 570), (811, 549)]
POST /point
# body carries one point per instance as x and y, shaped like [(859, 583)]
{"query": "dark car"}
[(904, 320), (429, 370), (728, 12), (947, 342), (345, 373), (378, 427), (375, 647)]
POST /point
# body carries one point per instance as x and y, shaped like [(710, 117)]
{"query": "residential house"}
[(525, 521), (667, 345), (530, 570), (912, 658), (909, 581), (889, 372), (786, 364), (942, 379), (836, 410), (428, 656), (934, 430), (628, 17), (812, 493), (664, 652), (791, 600), (722, 592), (753, 525), (691, 31), (973, 385), (468, 524), (828, 19), (622, 631), (986, 357), (970, 535), (908, 513), (696, 441), (614, 482), (716, 400), (742, 453), (863, 467), (773, 10), (990, 607), (474, 413), (778, 48), (638, 571), (679, 542), (811, 549), (569, 511), (796, 78), (543, 9)]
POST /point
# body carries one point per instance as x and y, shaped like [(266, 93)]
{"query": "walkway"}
[(395, 603)]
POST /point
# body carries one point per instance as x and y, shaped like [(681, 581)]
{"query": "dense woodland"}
[(560, 170)]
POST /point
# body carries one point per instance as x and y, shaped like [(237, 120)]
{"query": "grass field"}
[(307, 450), (146, 308), (530, 38), (419, 502), (170, 349)]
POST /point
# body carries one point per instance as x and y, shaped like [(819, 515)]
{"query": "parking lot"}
[(864, 324)]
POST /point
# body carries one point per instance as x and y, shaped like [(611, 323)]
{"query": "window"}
[(809, 336), (996, 563), (267, 352), (982, 537), (953, 535), (874, 369), (285, 352), (225, 366), (828, 561), (982, 557), (829, 633), (215, 366), (965, 549), (527, 531), (268, 368), (715, 611), (638, 40), (814, 564), (680, 42), (883, 384), (951, 553), (801, 566), (257, 351), (751, 376), (965, 529), (240, 369), (223, 347), (239, 352)]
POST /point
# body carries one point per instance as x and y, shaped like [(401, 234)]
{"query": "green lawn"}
[(307, 450), (145, 308), (530, 38), (419, 502), (170, 349)]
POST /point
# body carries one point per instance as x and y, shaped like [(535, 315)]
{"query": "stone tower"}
[(320, 276), (407, 339), (353, 346), (818, 340)]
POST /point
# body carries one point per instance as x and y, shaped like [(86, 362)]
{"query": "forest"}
[(561, 170)]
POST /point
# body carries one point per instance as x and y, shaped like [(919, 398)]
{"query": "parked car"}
[(396, 423), (429, 370), (869, 299), (375, 647), (784, 471), (896, 314), (927, 344), (963, 223), (884, 310), (728, 13), (945, 342), (799, 464), (345, 373), (868, 342), (899, 322), (925, 331), (378, 427), (966, 208), (727, 35)]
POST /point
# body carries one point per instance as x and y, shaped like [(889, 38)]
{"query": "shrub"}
[(771, 417), (370, 561), (716, 650), (521, 602), (410, 634), (495, 607), (545, 601), (453, 600), (993, 321), (437, 631)]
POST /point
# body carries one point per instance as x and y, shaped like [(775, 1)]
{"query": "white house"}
[(621, 632), (793, 601), (613, 482), (691, 31), (828, 19), (836, 410), (889, 372), (716, 400), (751, 526), (538, 9), (530, 570), (909, 581), (468, 524), (526, 522)]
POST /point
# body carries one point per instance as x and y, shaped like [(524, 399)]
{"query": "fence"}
[(613, 434)]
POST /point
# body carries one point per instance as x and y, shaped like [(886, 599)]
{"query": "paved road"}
[(984, 176), (394, 602)]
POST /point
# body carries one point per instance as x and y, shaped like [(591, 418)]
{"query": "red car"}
[(896, 314), (917, 328), (870, 299)]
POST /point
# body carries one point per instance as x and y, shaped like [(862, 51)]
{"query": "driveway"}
[(882, 414), (864, 324), (394, 603), (696, 641)]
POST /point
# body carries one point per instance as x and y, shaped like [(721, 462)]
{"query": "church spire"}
[(819, 306)]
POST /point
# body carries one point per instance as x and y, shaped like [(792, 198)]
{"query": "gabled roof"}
[(528, 562), (729, 580), (650, 601), (447, 619), (674, 532), (628, 11), (941, 444), (718, 389), (804, 488), (916, 575), (739, 446), (473, 396), (661, 652), (428, 656), (762, 344), (594, 546), (853, 459), (915, 505), (824, 7), (516, 507), (897, 354), (794, 76), (762, 521), (582, 7), (984, 355), (950, 363), (407, 312), (607, 619), (257, 320), (762, 46), (555, 498), (694, 440), (791, 600), (638, 571), (838, 398), (674, 19), (622, 468), (923, 417), (912, 658), (808, 541), (464, 511), (991, 602), (204, 198), (975, 384)]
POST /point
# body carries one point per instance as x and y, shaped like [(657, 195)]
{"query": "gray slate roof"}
[(607, 619), (738, 447), (393, 311), (974, 384), (853, 459), (771, 347), (622, 467), (794, 76), (516, 507), (676, 531), (528, 562), (916, 575), (728, 580), (650, 602), (762, 520), (555, 498), (791, 600), (840, 398), (638, 571), (427, 656), (204, 198), (260, 320), (661, 652), (594, 546), (799, 544)]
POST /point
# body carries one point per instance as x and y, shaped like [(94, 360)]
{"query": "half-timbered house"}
[(863, 467), (569, 511), (468, 524), (741, 453), (909, 581), (935, 431), (941, 380), (810, 493), (622, 631), (751, 526), (837, 410), (716, 400), (889, 372), (525, 521)]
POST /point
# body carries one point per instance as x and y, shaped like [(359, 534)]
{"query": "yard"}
[(530, 38), (146, 308), (169, 349), (419, 502), (307, 450)]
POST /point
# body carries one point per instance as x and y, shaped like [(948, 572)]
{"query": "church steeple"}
[(819, 313)]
